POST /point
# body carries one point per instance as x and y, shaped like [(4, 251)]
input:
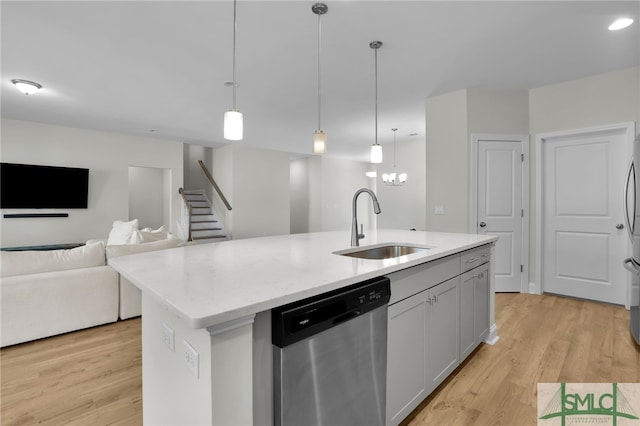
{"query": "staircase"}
[(205, 226)]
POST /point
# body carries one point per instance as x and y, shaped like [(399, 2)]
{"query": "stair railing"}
[(189, 208), (214, 184)]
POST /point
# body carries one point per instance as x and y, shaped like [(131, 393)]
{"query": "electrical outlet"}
[(191, 358), (439, 209), (168, 337)]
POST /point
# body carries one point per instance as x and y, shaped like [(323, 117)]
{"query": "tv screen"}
[(29, 186)]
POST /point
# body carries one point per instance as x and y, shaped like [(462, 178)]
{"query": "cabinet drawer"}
[(475, 257), (413, 280)]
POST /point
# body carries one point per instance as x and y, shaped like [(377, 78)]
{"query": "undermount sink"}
[(386, 251)]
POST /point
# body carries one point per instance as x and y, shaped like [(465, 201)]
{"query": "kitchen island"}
[(206, 313)]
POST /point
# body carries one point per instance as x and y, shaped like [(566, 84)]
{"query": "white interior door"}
[(500, 207), (583, 236)]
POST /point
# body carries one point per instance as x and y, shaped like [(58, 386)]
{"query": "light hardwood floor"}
[(93, 377)]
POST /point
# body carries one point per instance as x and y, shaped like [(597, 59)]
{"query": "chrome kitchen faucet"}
[(355, 236)]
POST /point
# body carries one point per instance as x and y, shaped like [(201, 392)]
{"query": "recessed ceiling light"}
[(620, 24), (414, 134), (25, 86)]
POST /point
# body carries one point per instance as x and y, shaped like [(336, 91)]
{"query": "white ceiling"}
[(137, 66)]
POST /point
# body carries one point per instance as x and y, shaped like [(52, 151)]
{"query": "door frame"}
[(628, 129), (523, 139)]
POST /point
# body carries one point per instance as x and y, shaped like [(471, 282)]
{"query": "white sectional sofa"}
[(44, 293)]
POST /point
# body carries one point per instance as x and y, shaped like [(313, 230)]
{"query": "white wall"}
[(106, 155), (451, 119), (194, 177), (147, 196), (447, 162), (403, 207), (602, 99), (255, 181), (322, 190), (300, 197)]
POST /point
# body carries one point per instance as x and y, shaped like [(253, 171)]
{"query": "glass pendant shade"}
[(233, 127), (376, 154), (319, 142)]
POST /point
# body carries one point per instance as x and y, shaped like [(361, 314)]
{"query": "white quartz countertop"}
[(209, 284)]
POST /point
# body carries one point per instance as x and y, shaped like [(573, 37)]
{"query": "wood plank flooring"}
[(88, 377), (93, 377), (543, 339)]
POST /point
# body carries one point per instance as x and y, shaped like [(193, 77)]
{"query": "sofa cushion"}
[(32, 261), (121, 232), (127, 249)]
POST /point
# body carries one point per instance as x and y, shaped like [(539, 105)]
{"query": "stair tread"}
[(208, 237)]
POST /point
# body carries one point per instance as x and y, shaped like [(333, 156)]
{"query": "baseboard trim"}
[(493, 337)]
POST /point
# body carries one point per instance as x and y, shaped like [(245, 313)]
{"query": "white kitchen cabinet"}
[(438, 313), (443, 321), (422, 346), (474, 308), (406, 356)]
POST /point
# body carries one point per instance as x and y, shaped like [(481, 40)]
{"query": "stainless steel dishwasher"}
[(330, 357)]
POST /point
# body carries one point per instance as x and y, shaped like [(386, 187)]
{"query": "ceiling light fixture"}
[(394, 178), (233, 122), (319, 137), (25, 86), (621, 23), (376, 149)]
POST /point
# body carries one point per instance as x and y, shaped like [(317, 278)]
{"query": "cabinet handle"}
[(475, 259), (484, 255)]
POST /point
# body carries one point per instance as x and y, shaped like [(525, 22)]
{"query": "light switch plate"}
[(168, 337), (191, 358), (439, 209)]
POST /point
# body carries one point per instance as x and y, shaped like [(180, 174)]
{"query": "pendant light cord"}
[(319, 87), (376, 92), (234, 53)]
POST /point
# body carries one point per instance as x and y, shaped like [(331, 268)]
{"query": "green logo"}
[(588, 403)]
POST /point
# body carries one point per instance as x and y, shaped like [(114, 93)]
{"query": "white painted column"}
[(232, 372), (218, 392)]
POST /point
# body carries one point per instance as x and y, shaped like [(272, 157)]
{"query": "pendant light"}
[(319, 137), (233, 124), (394, 178), (376, 149)]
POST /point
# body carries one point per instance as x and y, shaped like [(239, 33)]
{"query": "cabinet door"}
[(406, 354), (443, 332), (481, 304), (468, 340)]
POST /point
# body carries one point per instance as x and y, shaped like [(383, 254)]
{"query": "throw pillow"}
[(121, 232), (148, 235)]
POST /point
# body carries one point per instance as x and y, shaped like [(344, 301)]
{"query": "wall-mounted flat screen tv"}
[(29, 186)]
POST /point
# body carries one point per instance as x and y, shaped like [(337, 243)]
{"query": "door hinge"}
[(522, 157), (521, 212), (521, 268)]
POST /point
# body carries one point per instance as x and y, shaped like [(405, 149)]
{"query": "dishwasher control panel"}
[(296, 321)]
